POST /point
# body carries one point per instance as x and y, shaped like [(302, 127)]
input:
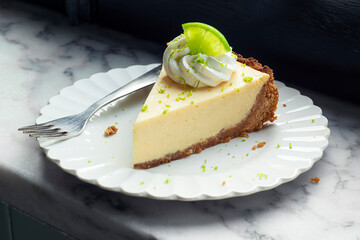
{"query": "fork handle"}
[(141, 82)]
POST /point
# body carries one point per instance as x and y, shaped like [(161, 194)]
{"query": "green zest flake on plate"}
[(168, 96), (192, 102), (230, 84), (243, 140), (89, 161), (123, 109), (261, 176), (168, 180), (312, 120), (238, 90), (290, 145), (215, 168), (142, 183), (234, 56), (161, 91), (243, 65), (165, 111), (159, 101), (166, 105), (203, 167), (115, 115), (247, 154), (116, 123), (144, 108), (248, 79), (278, 146)]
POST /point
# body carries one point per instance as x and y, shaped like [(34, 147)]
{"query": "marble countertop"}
[(40, 54)]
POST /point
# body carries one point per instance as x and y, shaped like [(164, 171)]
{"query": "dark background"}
[(312, 43)]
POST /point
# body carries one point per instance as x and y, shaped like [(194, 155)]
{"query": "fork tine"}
[(48, 134), (51, 130), (36, 127)]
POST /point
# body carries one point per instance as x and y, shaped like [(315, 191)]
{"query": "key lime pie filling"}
[(205, 95)]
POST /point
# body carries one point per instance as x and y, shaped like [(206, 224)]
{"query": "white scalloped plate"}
[(294, 142)]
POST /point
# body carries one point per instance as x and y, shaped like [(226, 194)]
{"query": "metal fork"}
[(74, 125)]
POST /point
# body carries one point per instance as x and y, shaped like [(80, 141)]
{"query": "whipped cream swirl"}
[(196, 70)]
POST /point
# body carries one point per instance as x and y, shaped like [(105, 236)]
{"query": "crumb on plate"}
[(111, 130), (259, 145)]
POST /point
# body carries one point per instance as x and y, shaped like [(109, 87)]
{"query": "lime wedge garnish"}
[(205, 39)]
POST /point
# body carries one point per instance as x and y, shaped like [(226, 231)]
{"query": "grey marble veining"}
[(40, 54)]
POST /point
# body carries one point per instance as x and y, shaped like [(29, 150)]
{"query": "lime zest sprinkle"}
[(230, 175), (154, 188), (165, 111), (192, 102), (215, 168), (205, 161), (247, 154), (278, 146), (159, 101), (243, 74), (230, 84), (261, 176), (228, 154), (144, 108), (189, 93), (161, 91), (142, 183), (290, 145), (166, 105), (248, 79), (168, 96), (115, 115), (234, 56), (116, 123), (197, 85), (171, 54), (168, 180), (89, 161), (238, 89), (203, 167), (243, 65), (188, 70), (243, 140), (312, 120)]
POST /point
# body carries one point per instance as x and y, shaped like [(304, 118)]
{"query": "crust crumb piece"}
[(244, 134), (315, 180), (198, 150), (189, 152), (284, 105), (111, 130), (259, 145), (226, 139)]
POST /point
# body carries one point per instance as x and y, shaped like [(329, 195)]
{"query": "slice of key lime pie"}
[(205, 95)]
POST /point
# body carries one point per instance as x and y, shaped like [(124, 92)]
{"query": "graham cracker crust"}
[(262, 111)]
